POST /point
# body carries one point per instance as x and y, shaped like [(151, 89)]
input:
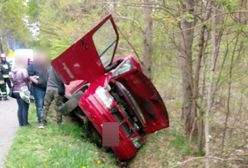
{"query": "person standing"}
[(38, 75), (3, 92), (20, 79), (6, 70), (55, 91)]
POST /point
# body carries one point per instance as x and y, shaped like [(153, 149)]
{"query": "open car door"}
[(89, 56)]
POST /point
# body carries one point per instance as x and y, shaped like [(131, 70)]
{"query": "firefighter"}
[(3, 92), (6, 70)]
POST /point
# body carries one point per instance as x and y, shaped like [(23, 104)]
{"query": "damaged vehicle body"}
[(103, 89)]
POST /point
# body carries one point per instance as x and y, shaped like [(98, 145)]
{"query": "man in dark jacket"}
[(55, 91), (38, 72)]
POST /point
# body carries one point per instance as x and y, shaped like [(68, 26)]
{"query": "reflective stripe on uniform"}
[(6, 76), (1, 81), (5, 66), (3, 93)]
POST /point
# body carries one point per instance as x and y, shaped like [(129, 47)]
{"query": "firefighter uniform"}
[(6, 70), (3, 92)]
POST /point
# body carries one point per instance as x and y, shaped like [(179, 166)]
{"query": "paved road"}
[(8, 126)]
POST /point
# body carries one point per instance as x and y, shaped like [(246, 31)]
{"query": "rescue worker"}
[(6, 70), (3, 92), (55, 91)]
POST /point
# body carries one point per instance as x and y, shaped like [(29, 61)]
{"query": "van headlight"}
[(105, 97), (137, 142), (125, 67)]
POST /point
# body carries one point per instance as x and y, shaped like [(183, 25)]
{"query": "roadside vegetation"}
[(67, 145), (55, 146)]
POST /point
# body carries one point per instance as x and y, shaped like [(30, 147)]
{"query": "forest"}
[(194, 51)]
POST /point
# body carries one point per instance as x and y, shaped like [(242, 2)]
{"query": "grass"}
[(163, 149), (55, 147), (66, 146)]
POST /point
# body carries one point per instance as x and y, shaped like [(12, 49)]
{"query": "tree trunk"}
[(147, 42), (230, 74), (200, 121), (185, 42), (198, 106), (1, 45), (215, 37)]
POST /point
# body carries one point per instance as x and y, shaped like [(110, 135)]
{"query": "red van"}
[(111, 90)]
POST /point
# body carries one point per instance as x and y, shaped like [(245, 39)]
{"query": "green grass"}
[(55, 147), (66, 146), (162, 149)]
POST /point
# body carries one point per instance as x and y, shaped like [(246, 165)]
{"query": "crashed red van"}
[(110, 90)]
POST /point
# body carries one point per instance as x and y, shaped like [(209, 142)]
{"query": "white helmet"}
[(3, 55)]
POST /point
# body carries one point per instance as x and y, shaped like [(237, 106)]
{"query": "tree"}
[(186, 37), (12, 22), (147, 39)]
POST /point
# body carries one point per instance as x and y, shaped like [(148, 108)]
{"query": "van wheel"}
[(94, 135)]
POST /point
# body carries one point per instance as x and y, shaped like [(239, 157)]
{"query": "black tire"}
[(94, 136)]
